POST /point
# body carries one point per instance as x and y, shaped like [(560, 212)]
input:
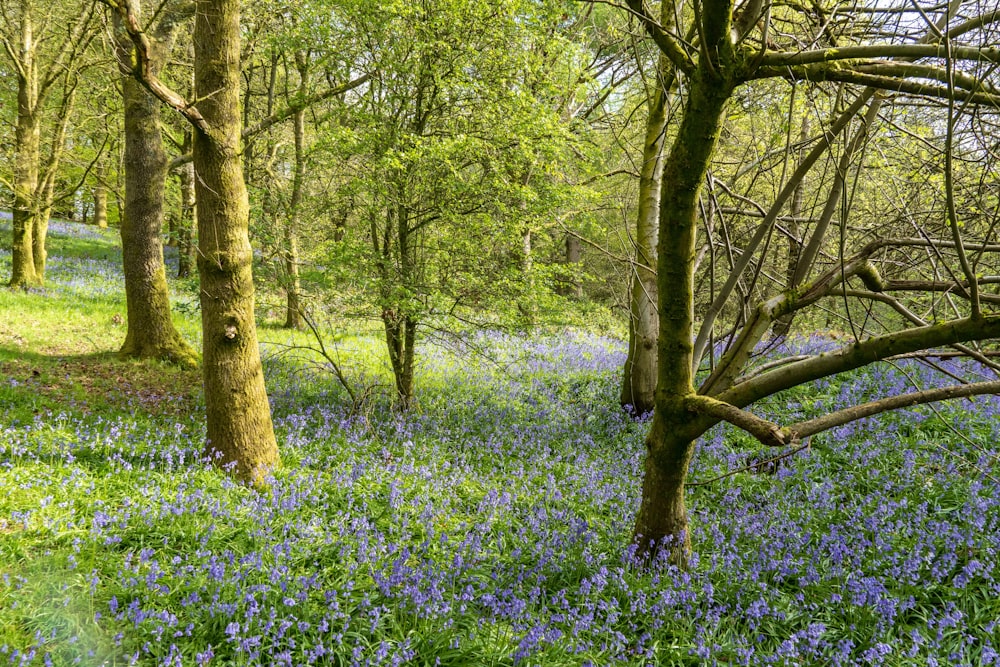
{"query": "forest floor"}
[(488, 526)]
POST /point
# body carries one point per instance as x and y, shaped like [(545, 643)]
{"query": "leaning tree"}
[(870, 50)]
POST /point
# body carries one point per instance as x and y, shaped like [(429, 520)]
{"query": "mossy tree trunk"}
[(639, 373), (26, 157), (293, 283), (240, 431), (662, 517), (151, 332)]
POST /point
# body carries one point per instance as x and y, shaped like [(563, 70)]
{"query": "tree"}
[(730, 53), (40, 73), (639, 376), (459, 130), (151, 332), (240, 431)]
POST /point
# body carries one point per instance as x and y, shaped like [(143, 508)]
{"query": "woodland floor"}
[(489, 526)]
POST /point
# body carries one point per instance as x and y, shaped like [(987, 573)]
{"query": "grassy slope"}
[(488, 527)]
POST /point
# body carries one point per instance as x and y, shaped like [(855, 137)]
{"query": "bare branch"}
[(767, 432), (143, 67), (667, 44), (841, 417), (910, 51), (861, 354), (304, 103), (890, 77)]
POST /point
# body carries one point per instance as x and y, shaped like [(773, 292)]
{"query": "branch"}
[(667, 44), (772, 435), (282, 115), (303, 103), (326, 355), (75, 43), (841, 417), (959, 288), (912, 51), (973, 23), (747, 17), (861, 354), (763, 230), (15, 60), (887, 76), (728, 368), (758, 464), (143, 67), (767, 432)]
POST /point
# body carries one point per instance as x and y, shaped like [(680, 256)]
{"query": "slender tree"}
[(729, 54), (41, 59), (639, 377)]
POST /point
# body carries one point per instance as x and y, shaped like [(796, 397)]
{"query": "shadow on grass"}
[(32, 383)]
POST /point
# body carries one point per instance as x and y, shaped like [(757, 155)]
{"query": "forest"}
[(528, 332)]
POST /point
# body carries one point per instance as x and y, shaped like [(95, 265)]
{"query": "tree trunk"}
[(101, 202), (400, 337), (527, 308), (662, 523), (662, 518), (27, 138), (574, 287), (151, 332), (401, 323), (240, 431), (188, 220), (639, 378), (293, 309), (39, 236), (293, 283), (44, 195), (640, 373)]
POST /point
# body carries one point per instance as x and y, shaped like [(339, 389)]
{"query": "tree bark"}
[(662, 523), (639, 377), (151, 332), (101, 197), (639, 374), (27, 139), (240, 431), (293, 282), (400, 337), (662, 519), (189, 219), (26, 157)]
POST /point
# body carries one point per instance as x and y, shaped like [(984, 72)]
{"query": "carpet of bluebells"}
[(489, 526)]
